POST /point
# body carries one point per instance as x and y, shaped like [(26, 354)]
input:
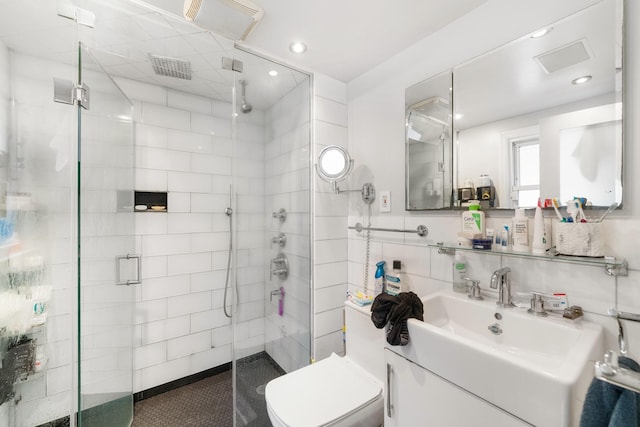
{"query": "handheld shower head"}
[(245, 107)]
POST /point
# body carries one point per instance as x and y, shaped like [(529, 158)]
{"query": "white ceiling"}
[(345, 38), (342, 44)]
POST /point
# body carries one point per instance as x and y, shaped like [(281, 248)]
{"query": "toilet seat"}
[(323, 394)]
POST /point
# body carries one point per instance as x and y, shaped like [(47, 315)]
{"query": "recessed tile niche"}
[(149, 201)]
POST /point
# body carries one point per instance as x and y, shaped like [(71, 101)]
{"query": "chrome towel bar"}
[(609, 370), (421, 230)]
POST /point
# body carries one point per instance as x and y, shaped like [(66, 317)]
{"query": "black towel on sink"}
[(395, 310)]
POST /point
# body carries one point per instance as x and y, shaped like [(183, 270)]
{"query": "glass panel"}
[(106, 225), (272, 318), (36, 281)]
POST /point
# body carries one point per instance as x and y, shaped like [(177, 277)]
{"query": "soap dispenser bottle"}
[(459, 273)]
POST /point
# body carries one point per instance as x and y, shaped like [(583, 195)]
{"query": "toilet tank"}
[(365, 343)]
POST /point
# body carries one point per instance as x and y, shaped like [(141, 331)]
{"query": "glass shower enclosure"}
[(109, 268), (79, 337), (272, 319)]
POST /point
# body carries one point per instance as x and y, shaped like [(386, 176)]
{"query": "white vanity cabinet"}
[(416, 396)]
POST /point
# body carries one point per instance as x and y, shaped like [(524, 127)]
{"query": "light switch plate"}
[(385, 201)]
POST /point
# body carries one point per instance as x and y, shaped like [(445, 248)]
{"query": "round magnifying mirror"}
[(334, 163)]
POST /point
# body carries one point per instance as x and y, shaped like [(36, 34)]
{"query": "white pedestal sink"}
[(537, 369)]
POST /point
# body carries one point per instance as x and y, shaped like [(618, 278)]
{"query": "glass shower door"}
[(108, 267), (272, 228)]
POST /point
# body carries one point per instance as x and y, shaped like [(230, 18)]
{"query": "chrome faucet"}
[(501, 280)]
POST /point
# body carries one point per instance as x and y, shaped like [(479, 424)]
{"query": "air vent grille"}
[(564, 56), (171, 67), (191, 9), (241, 7)]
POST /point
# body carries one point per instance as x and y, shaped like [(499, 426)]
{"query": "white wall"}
[(376, 139), (330, 221)]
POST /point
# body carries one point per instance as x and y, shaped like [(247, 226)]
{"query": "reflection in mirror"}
[(334, 165), (428, 144), (524, 124)]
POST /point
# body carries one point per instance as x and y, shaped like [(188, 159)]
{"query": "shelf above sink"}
[(613, 266)]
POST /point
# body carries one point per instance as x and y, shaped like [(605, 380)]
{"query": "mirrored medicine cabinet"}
[(538, 117)]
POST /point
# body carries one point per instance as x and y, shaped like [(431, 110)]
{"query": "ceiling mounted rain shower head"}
[(245, 107), (170, 67)]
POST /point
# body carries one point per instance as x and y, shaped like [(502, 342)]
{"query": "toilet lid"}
[(322, 392)]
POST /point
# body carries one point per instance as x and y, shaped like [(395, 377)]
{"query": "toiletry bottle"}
[(539, 241), (459, 273), (504, 238), (520, 232), (379, 276), (393, 280), (473, 220)]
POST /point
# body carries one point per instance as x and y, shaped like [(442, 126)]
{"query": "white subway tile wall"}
[(185, 150), (424, 270), (190, 155), (330, 226), (286, 169)]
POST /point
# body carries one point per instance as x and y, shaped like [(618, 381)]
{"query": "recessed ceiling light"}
[(541, 33), (273, 73), (458, 116), (580, 80), (298, 47)]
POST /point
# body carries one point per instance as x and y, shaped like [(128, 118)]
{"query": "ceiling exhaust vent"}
[(171, 67), (564, 56), (234, 19)]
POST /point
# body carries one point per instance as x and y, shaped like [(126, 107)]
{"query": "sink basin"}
[(537, 368)]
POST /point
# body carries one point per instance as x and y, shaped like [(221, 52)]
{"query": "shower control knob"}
[(281, 215), (281, 240)]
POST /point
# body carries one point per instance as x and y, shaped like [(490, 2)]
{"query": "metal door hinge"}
[(232, 64), (66, 92), (83, 94)]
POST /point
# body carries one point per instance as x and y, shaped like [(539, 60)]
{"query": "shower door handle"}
[(138, 278)]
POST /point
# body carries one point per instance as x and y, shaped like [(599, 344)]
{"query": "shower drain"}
[(260, 389)]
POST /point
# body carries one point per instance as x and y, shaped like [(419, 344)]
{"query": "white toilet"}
[(337, 391)]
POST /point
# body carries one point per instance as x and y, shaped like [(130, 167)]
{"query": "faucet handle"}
[(474, 291), (572, 312), (537, 304)]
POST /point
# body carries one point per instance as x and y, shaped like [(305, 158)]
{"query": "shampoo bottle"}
[(520, 232), (539, 241)]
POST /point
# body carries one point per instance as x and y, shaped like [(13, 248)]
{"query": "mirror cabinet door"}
[(525, 125), (428, 144)]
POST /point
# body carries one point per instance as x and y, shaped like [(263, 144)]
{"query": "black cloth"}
[(395, 310)]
